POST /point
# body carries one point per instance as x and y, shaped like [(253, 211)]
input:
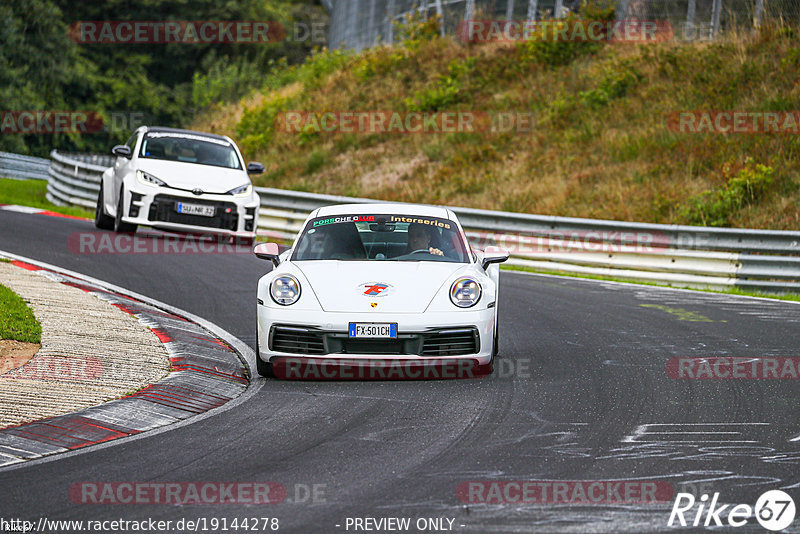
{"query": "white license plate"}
[(374, 330), (195, 209)]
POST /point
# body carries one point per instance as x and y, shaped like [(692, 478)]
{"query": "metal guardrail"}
[(688, 256), (23, 167), (75, 178), (684, 256)]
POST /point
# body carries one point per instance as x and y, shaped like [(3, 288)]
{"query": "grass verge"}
[(732, 291), (17, 321), (32, 193)]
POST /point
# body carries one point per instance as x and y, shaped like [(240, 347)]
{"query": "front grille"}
[(296, 340), (311, 341), (163, 209), (451, 343)]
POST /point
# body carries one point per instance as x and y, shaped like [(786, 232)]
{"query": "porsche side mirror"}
[(493, 255), (122, 151), (267, 251)]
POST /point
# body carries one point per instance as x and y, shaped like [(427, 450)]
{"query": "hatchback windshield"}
[(190, 149), (381, 238)]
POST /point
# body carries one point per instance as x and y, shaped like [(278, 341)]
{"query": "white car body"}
[(332, 296), (185, 183)]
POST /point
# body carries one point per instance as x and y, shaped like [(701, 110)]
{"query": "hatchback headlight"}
[(465, 292), (148, 179), (285, 290), (241, 191)]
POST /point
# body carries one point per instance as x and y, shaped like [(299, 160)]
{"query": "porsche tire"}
[(264, 368)]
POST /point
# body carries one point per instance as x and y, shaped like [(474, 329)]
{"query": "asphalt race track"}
[(580, 392)]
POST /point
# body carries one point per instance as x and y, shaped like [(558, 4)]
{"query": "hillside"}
[(601, 146)]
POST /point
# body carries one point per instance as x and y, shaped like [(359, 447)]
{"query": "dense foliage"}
[(43, 69)]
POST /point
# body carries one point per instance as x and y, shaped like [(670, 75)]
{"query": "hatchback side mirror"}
[(123, 151), (255, 167)]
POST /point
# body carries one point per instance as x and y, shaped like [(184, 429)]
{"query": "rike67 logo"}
[(774, 510)]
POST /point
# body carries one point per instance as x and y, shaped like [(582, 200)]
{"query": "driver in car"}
[(420, 238)]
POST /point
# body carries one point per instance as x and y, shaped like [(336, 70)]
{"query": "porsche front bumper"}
[(425, 337)]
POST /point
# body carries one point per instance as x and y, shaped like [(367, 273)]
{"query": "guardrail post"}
[(390, 19), (558, 10), (715, 15), (533, 6), (440, 14), (758, 13), (689, 31)]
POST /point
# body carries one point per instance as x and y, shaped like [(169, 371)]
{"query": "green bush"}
[(601, 10), (224, 81), (256, 129), (381, 61), (416, 29), (316, 160), (544, 48), (615, 84), (718, 207), (447, 91)]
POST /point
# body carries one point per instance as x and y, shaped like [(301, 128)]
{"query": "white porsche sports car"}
[(180, 181), (367, 283)]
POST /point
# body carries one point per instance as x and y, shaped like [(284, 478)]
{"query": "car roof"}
[(187, 132), (396, 208)]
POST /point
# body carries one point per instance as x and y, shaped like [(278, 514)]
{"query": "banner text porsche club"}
[(441, 223)]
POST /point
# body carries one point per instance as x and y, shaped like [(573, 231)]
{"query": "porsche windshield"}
[(381, 238), (190, 149)]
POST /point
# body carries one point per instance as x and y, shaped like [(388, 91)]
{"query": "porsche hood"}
[(398, 287)]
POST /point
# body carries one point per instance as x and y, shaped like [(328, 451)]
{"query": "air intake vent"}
[(451, 342), (296, 340)]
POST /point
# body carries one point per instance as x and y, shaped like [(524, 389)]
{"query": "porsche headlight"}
[(241, 191), (465, 292), (149, 179), (285, 290)]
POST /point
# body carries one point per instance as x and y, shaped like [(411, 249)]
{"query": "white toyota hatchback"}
[(377, 282), (180, 181)]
